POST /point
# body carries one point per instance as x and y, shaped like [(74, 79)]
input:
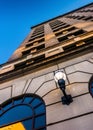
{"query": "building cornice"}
[(60, 16)]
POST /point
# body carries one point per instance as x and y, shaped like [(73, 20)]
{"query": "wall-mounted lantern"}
[(60, 78)]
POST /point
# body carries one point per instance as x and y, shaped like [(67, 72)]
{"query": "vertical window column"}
[(50, 38)]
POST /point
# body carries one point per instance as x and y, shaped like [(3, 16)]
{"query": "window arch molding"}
[(91, 85), (27, 109)]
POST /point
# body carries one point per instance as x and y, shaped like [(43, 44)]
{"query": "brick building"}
[(29, 96)]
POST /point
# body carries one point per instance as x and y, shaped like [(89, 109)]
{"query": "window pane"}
[(40, 109), (35, 102), (7, 106), (15, 114), (92, 91), (92, 84), (27, 124), (40, 121), (27, 99), (18, 101)]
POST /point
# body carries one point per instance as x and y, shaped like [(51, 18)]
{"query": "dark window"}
[(20, 65), (89, 40), (37, 36), (81, 17), (59, 33), (41, 40), (88, 18), (41, 47), (60, 27), (26, 52), (28, 110), (36, 42), (69, 47), (61, 39), (56, 22), (29, 45), (71, 28), (56, 25), (39, 58), (65, 31), (38, 31), (79, 32), (91, 86)]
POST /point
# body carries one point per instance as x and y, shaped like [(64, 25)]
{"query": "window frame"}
[(35, 114)]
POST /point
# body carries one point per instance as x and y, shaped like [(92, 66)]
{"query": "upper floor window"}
[(57, 24), (65, 31), (70, 35), (90, 18), (25, 112), (38, 31), (36, 37)]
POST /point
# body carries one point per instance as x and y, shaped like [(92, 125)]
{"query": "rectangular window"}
[(59, 33), (79, 32), (29, 45), (38, 30), (60, 27), (71, 29), (40, 47), (61, 39), (89, 40), (56, 22), (26, 52), (39, 58), (41, 40), (36, 37), (81, 17), (20, 65), (88, 18), (69, 47), (65, 31)]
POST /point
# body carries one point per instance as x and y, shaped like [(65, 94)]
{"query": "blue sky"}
[(17, 16)]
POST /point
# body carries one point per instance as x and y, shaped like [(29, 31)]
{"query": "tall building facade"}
[(30, 98)]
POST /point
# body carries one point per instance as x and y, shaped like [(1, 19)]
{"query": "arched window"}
[(26, 111), (91, 86)]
